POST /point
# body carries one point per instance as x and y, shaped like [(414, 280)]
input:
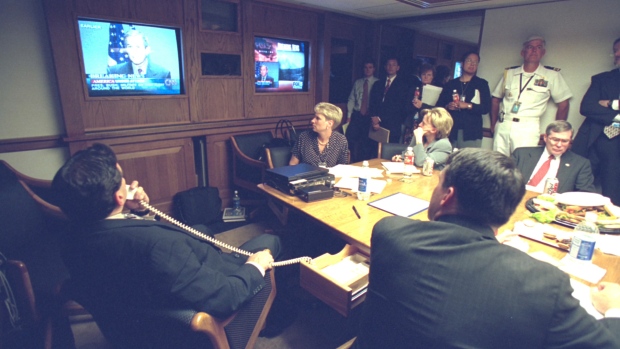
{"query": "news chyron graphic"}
[(122, 59), (280, 65)]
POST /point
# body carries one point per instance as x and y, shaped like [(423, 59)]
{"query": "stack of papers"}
[(375, 185), (397, 167), (354, 171)]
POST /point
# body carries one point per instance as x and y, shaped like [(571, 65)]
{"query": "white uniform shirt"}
[(355, 98), (544, 84), (552, 173)]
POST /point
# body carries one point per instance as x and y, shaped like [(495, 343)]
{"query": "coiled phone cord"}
[(217, 242)]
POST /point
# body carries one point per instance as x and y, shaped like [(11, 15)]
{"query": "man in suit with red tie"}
[(554, 160), (598, 135), (389, 101)]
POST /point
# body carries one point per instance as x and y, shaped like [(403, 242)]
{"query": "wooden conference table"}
[(338, 216)]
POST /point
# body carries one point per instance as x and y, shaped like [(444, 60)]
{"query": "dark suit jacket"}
[(394, 108), (574, 173), (605, 86), (153, 71), (118, 263), (450, 284)]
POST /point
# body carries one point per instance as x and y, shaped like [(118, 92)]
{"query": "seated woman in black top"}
[(321, 146)]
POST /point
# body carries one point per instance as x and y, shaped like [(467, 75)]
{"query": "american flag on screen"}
[(116, 46)]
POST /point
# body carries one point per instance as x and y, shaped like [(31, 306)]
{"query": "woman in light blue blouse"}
[(430, 139)]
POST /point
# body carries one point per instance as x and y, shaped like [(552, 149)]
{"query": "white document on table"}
[(375, 185), (354, 171), (397, 167), (430, 94), (400, 204)]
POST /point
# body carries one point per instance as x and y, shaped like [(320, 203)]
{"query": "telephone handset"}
[(206, 237)]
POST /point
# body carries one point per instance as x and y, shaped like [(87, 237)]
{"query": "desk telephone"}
[(130, 196)]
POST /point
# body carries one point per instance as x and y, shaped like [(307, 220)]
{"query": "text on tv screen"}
[(124, 59)]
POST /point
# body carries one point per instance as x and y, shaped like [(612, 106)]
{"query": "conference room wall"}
[(579, 35)]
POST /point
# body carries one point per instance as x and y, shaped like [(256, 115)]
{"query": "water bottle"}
[(363, 189), (455, 97), (236, 202), (416, 95), (584, 239), (408, 163)]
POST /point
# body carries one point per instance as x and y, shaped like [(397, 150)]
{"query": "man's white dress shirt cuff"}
[(262, 271), (613, 312)]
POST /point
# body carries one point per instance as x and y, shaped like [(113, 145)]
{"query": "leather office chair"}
[(248, 165), (26, 236), (388, 150), (185, 328), (277, 156)]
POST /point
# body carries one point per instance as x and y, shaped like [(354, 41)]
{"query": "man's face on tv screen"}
[(136, 50)]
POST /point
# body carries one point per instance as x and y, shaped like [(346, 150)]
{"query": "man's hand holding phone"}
[(135, 194)]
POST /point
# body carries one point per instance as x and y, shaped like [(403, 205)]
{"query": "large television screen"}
[(124, 59), (280, 65)]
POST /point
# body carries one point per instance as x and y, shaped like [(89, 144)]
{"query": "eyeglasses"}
[(558, 140), (469, 61)]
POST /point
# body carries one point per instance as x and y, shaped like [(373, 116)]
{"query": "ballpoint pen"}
[(356, 213)]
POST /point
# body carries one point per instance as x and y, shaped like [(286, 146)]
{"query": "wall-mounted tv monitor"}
[(126, 59), (458, 69), (280, 65)]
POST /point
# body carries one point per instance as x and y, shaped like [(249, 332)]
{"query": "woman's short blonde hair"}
[(330, 111), (441, 120)]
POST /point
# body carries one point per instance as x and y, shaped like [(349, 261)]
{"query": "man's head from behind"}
[(558, 136), (481, 184), (137, 46), (86, 184)]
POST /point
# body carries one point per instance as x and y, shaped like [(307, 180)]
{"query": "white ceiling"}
[(465, 29)]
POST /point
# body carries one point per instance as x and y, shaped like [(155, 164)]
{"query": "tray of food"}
[(569, 209)]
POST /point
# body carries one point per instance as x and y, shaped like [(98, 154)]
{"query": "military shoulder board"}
[(552, 68)]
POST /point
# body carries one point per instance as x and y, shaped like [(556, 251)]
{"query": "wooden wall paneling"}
[(219, 99), (283, 22), (425, 45), (219, 165), (146, 111), (323, 62), (163, 168), (163, 11), (191, 23)]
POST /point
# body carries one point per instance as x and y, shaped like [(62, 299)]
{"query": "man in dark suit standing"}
[(389, 101), (598, 137), (535, 163), (449, 283), (137, 46)]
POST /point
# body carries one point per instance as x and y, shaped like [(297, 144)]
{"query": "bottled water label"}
[(582, 247), (363, 185)]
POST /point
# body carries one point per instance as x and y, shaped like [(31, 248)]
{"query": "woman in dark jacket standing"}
[(475, 100)]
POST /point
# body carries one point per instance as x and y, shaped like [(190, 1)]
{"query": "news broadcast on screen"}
[(280, 65), (123, 59)]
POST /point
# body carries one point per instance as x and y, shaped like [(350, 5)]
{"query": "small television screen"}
[(458, 66), (280, 65), (125, 59)]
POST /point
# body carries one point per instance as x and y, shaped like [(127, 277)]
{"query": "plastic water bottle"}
[(408, 163), (416, 94), (236, 202), (584, 240), (363, 189)]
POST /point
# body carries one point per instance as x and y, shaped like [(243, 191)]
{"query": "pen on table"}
[(356, 213)]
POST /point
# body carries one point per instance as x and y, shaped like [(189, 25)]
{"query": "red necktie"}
[(542, 172), (387, 87), (364, 107)]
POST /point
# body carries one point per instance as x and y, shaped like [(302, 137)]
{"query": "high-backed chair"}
[(25, 236), (277, 156), (388, 150), (248, 165), (186, 328)]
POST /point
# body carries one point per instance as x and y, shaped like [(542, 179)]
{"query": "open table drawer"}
[(339, 280)]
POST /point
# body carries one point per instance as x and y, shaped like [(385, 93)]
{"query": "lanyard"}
[(521, 82)]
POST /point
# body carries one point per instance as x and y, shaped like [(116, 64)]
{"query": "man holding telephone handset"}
[(119, 263)]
